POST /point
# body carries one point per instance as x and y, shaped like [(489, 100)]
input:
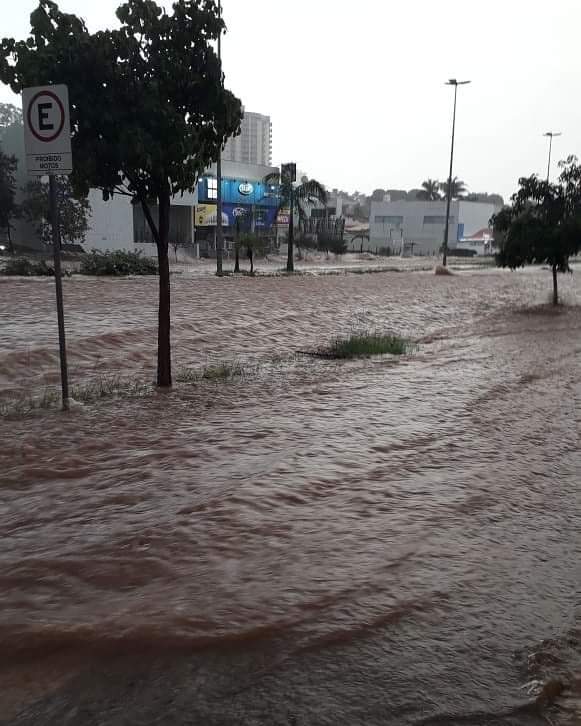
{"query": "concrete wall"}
[(475, 216), (421, 223), (111, 223)]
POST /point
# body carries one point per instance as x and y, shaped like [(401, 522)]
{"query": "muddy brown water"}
[(365, 542)]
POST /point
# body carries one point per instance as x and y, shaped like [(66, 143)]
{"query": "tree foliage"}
[(74, 212), (149, 111), (459, 188), (8, 207), (485, 197), (430, 191), (305, 195), (543, 223), (10, 115)]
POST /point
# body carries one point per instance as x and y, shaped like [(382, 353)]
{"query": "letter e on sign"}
[(47, 130)]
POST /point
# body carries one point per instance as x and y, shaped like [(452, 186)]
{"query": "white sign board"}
[(47, 130)]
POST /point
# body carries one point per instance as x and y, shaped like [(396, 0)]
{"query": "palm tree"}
[(304, 195), (459, 188), (430, 191)]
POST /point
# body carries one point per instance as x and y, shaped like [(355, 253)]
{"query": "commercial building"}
[(420, 225), (248, 203), (254, 144)]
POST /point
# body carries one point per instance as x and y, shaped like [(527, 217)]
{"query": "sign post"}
[(47, 141)]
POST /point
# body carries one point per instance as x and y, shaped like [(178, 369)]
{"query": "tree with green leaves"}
[(74, 211), (10, 115), (430, 191), (149, 111), (459, 188), (543, 223), (8, 207), (305, 195)]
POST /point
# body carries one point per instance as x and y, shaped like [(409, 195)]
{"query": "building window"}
[(396, 221), (212, 189), (436, 220)]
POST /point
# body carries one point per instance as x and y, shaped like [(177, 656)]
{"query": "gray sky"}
[(356, 89)]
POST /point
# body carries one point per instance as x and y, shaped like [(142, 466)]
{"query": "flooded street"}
[(362, 543)]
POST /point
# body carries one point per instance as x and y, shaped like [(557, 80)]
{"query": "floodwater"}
[(359, 543)]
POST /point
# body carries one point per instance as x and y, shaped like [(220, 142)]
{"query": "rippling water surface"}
[(367, 542)]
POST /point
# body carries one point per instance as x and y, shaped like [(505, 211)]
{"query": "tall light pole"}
[(455, 83), (219, 230), (551, 134)]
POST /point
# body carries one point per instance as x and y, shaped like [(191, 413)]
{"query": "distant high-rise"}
[(254, 144)]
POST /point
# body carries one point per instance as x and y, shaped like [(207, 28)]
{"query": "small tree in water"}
[(149, 111), (543, 224)]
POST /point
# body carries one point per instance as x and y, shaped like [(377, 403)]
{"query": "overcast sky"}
[(356, 90)]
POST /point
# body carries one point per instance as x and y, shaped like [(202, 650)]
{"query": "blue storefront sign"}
[(239, 192)]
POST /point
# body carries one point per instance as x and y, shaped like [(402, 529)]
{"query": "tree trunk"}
[(290, 262), (163, 331), (555, 286), (10, 243)]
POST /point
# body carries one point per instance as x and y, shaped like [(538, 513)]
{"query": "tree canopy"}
[(149, 111), (74, 212), (430, 191), (543, 223), (459, 188), (297, 198)]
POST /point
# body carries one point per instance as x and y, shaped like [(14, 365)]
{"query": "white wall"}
[(475, 216), (426, 237), (111, 223)]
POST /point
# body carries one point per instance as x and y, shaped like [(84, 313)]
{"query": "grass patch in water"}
[(364, 345), (50, 398), (223, 371)]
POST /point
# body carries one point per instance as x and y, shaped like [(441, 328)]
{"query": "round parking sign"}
[(46, 116)]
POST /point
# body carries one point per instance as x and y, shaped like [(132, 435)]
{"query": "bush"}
[(363, 345), (117, 264), (27, 268)]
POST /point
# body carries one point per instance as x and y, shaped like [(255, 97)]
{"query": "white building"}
[(421, 224), (254, 144), (117, 224)]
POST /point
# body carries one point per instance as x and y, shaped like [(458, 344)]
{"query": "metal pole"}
[(550, 134), (219, 231), (56, 244), (290, 265), (449, 191)]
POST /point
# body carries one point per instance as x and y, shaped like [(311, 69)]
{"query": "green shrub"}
[(27, 268), (117, 264), (363, 345)]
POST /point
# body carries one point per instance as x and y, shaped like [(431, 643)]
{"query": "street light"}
[(550, 134), (455, 83)]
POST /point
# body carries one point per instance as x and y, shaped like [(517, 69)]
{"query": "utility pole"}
[(219, 230), (550, 134), (288, 175), (455, 83)]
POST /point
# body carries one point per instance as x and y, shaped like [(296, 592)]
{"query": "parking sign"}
[(47, 130)]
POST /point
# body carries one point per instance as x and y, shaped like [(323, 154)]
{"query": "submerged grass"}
[(50, 398), (223, 371), (364, 345)]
